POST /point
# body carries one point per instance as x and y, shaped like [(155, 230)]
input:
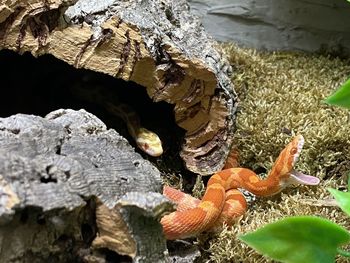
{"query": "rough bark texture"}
[(62, 178), (314, 25), (157, 44)]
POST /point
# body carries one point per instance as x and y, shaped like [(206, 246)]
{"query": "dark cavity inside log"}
[(40, 85)]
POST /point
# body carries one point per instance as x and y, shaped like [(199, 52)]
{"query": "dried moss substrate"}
[(281, 95)]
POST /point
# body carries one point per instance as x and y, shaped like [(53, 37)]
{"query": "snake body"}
[(222, 202)]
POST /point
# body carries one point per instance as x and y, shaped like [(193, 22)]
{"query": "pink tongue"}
[(304, 178)]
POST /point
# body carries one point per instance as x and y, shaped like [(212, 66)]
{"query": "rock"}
[(279, 25)]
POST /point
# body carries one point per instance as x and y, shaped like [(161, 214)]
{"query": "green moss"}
[(281, 95)]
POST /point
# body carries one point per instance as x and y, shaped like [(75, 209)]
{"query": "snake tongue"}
[(300, 178)]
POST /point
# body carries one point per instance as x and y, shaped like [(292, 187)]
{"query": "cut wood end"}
[(113, 232), (9, 198)]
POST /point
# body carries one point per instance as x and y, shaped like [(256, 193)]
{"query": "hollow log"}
[(157, 44)]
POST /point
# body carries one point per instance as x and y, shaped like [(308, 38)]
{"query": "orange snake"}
[(223, 202)]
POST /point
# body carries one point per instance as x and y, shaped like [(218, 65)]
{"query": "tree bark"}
[(69, 187)]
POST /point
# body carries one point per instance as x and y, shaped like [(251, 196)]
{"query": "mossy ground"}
[(281, 95)]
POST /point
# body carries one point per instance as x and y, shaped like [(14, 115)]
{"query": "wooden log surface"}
[(69, 187), (157, 44)]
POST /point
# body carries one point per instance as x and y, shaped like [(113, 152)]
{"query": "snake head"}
[(286, 161), (149, 142)]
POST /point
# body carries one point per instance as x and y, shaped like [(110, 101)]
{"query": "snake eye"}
[(146, 146)]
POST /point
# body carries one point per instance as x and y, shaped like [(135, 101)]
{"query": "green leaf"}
[(299, 239), (341, 97), (343, 199)]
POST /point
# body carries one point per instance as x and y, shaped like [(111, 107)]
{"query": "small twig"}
[(321, 202)]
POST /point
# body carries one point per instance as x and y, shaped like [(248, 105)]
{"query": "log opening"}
[(157, 44), (40, 85)]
